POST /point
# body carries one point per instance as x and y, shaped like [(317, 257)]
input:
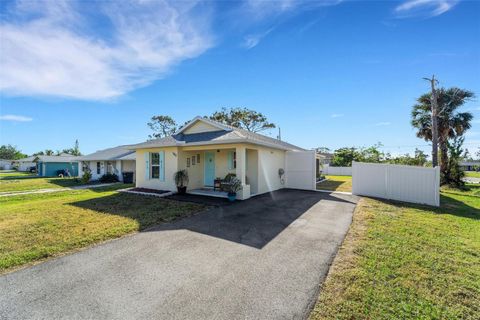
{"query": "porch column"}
[(241, 172)]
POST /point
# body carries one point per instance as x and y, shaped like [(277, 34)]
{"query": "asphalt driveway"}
[(258, 259)]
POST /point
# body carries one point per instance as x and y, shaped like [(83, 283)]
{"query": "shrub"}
[(234, 186), (86, 177), (109, 177)]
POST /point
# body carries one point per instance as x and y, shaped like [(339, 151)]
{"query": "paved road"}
[(258, 259), (471, 180)]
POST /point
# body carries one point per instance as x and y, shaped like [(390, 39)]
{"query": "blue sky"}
[(329, 73)]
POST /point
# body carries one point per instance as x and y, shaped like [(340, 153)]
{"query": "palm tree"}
[(451, 122)]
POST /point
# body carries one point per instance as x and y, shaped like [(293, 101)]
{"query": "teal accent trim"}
[(51, 168), (230, 160), (147, 165), (162, 166), (209, 169)]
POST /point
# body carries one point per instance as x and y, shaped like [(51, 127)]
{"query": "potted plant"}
[(181, 180), (235, 185)]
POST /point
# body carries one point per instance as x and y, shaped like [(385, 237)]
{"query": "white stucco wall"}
[(195, 171), (252, 170), (171, 166), (269, 161)]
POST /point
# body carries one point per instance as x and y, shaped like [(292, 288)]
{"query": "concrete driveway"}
[(263, 258)]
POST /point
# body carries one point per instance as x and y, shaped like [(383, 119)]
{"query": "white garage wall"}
[(397, 182), (300, 170)]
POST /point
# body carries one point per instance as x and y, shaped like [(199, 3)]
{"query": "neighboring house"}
[(6, 164), (324, 157), (25, 164), (210, 150), (117, 160), (472, 165), (50, 166)]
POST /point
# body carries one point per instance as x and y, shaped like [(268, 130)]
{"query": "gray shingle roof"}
[(61, 158), (116, 153), (232, 135)]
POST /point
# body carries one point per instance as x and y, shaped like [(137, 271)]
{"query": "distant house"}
[(470, 165), (6, 164), (211, 151), (117, 160), (50, 166), (324, 157), (25, 164)]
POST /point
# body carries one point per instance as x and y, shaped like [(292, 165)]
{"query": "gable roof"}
[(225, 135), (115, 153), (64, 157), (218, 125)]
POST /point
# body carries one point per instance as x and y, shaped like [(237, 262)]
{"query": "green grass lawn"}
[(473, 174), (336, 183), (38, 226), (23, 182), (11, 174), (402, 261)]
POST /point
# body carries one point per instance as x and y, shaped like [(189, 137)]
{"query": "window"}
[(193, 160), (198, 158), (188, 162), (98, 167), (232, 160), (155, 165)]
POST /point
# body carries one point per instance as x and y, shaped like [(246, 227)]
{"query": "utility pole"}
[(434, 105), (279, 137)]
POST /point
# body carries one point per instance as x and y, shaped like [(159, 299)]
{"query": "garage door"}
[(300, 170)]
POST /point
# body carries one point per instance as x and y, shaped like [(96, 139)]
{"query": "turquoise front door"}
[(209, 175)]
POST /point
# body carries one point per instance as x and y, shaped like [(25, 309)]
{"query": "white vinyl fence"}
[(397, 182), (300, 170), (336, 171)]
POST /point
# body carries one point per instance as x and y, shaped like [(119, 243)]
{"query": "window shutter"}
[(162, 166), (147, 165), (230, 160)]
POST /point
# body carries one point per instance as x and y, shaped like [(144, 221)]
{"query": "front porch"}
[(207, 165), (209, 192)]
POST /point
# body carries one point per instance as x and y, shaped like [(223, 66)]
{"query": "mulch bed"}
[(146, 190)]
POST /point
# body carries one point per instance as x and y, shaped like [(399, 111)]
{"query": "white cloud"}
[(50, 49), (254, 39), (382, 124), (336, 115), (15, 118), (426, 8)]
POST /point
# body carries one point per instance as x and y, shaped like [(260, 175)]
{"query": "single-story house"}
[(117, 160), (50, 166), (6, 164), (209, 150), (472, 165), (25, 164)]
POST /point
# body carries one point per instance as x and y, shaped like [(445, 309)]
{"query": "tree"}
[(434, 119), (451, 122), (419, 159), (75, 151), (322, 150), (344, 157), (9, 152), (162, 126), (455, 173), (243, 118)]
